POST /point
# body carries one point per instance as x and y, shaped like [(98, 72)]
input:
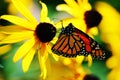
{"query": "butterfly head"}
[(68, 30)]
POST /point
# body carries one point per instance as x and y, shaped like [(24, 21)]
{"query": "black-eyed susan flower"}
[(109, 28), (110, 34), (82, 10), (37, 36)]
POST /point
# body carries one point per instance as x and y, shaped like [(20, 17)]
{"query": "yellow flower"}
[(77, 10), (110, 28), (37, 36), (66, 71), (71, 70), (82, 10), (12, 9), (110, 34)]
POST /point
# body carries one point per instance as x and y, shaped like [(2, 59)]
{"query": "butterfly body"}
[(72, 42)]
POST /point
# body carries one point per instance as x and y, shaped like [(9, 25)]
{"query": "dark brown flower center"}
[(92, 18), (45, 32), (91, 77)]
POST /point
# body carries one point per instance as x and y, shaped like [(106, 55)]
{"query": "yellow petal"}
[(80, 59), (107, 11), (48, 48), (17, 37), (114, 42), (72, 11), (112, 62), (4, 49), (56, 57), (89, 60), (42, 66), (66, 8), (92, 31), (54, 40), (2, 35), (18, 21), (44, 13), (75, 9), (45, 54), (24, 11), (43, 49), (11, 8), (71, 3), (84, 1), (84, 4), (24, 49), (80, 2), (67, 61), (28, 59), (12, 28), (114, 74)]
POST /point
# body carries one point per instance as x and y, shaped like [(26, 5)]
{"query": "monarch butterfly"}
[(72, 42)]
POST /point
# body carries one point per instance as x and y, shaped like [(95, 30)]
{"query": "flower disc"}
[(92, 18), (45, 32)]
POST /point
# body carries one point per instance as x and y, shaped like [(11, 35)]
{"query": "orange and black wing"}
[(97, 51), (68, 46), (72, 42), (92, 46)]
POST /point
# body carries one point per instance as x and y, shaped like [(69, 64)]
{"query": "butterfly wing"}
[(92, 46), (68, 46), (72, 42), (97, 51)]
